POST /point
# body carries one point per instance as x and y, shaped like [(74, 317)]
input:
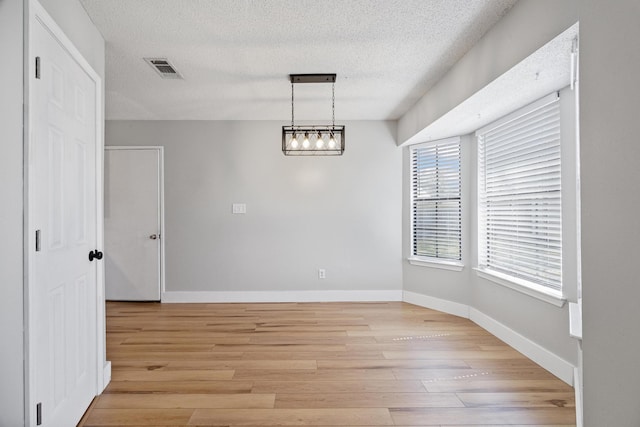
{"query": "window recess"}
[(436, 208), (520, 197)]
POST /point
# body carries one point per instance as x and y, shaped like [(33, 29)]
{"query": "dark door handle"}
[(95, 254)]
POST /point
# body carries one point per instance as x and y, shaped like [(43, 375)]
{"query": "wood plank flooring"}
[(317, 364)]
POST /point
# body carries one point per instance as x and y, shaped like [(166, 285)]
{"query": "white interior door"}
[(133, 228), (63, 225)]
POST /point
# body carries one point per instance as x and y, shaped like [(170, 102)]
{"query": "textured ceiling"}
[(236, 55), (546, 70)]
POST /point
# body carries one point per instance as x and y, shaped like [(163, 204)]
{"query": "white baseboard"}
[(577, 380), (433, 303), (282, 296), (106, 375), (543, 357)]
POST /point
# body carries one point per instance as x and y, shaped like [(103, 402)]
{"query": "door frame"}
[(35, 14), (160, 150)]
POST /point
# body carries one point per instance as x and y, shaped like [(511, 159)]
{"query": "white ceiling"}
[(236, 55)]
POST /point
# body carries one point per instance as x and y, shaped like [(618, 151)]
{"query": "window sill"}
[(521, 286), (435, 263)]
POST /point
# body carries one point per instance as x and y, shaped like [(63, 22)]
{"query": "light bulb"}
[(293, 142), (332, 142), (305, 142), (319, 141)]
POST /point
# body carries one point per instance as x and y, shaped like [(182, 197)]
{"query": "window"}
[(519, 197), (435, 201)]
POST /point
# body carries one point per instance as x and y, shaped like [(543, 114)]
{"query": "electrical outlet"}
[(322, 273), (239, 208)]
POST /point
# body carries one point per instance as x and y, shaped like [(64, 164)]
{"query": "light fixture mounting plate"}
[(312, 78)]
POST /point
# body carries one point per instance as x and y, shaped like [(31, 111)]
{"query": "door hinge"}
[(37, 67), (37, 240), (39, 414)]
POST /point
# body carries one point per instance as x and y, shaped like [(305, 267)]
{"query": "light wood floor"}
[(321, 364)]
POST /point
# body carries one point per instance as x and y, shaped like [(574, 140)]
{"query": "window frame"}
[(548, 294), (426, 261)]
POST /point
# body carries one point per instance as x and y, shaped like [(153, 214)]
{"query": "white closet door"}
[(132, 223), (62, 184)]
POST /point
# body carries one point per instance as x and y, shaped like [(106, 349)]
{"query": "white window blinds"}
[(520, 229), (436, 208)]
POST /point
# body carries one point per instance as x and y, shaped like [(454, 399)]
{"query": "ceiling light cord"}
[(333, 104), (292, 104)]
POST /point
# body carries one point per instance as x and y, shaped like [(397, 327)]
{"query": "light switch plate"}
[(239, 208)]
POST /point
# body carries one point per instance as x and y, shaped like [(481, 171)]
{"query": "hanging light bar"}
[(313, 140)]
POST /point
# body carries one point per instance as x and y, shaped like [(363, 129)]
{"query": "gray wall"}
[(610, 153), (516, 36), (303, 213), (545, 324), (11, 305), (444, 284), (541, 322)]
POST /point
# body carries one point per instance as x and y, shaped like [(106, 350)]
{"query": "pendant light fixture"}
[(313, 140)]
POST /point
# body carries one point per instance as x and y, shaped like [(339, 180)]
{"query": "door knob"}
[(153, 236), (95, 254)]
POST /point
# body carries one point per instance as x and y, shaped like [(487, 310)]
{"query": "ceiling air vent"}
[(164, 68)]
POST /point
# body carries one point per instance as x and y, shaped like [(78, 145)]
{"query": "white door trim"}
[(160, 150), (34, 12)]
